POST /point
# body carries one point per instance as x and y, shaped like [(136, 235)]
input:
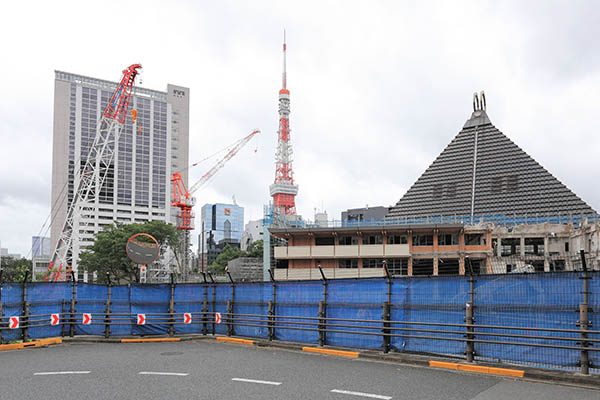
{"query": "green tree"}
[(14, 269), (228, 254), (255, 249), (108, 253)]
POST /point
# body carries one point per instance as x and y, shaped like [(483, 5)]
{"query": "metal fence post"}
[(73, 303), (584, 321), (214, 301), (172, 307), (107, 308), (323, 312), (386, 316), (205, 306), (25, 321), (1, 310), (322, 325), (229, 318), (231, 307), (469, 316), (62, 317), (204, 314), (271, 307)]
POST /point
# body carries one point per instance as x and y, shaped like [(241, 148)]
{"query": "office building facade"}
[(149, 150), (221, 225), (40, 246)]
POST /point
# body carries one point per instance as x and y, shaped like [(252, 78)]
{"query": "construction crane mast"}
[(183, 199), (88, 181)]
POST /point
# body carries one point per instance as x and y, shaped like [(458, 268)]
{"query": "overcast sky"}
[(377, 90)]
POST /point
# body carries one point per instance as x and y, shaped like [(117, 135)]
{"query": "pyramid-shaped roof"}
[(507, 180)]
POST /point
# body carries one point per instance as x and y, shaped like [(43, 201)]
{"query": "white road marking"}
[(62, 372), (372, 396), (163, 373), (255, 381)]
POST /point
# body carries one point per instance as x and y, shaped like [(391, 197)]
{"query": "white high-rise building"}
[(137, 188)]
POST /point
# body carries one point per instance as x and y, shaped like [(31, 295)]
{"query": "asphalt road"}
[(210, 370)]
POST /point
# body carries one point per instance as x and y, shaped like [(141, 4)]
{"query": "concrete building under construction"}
[(483, 204)]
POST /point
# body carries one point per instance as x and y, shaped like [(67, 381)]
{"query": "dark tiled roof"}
[(507, 180)]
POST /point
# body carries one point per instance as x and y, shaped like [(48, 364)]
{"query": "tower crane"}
[(183, 199), (88, 181)]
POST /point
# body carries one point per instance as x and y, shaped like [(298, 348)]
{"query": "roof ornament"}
[(479, 103)]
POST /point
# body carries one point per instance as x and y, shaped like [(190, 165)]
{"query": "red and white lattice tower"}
[(283, 189)]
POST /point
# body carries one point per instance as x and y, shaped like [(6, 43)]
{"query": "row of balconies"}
[(365, 250)]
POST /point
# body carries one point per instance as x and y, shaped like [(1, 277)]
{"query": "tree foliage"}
[(231, 253), (108, 253), (255, 249), (14, 269)]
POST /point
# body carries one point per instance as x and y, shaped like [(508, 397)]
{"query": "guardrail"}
[(533, 319), (498, 219)]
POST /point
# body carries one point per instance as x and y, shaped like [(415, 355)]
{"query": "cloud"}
[(378, 90)]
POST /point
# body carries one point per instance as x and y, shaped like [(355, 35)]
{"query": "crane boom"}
[(88, 182), (183, 199), (236, 148)]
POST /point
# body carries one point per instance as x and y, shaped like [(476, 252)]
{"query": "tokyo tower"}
[(283, 190)]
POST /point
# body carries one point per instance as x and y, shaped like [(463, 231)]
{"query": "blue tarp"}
[(120, 304), (298, 299), (150, 299), (222, 294), (549, 300), (252, 299), (12, 298), (442, 300), (90, 299), (188, 299), (356, 299)]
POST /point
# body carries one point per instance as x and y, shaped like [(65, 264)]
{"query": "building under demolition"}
[(483, 204)]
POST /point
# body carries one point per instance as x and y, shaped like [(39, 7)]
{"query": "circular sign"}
[(142, 248)]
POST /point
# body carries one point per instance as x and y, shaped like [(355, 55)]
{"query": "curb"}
[(340, 353), (27, 345), (478, 368), (140, 340), (234, 340)]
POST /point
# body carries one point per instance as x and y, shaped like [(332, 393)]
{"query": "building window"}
[(475, 239), (348, 240), (373, 263), (422, 266), (511, 246), (373, 239), (534, 246), (448, 266), (324, 241), (398, 266), (397, 239), (348, 263), (566, 247), (447, 239), (422, 240)]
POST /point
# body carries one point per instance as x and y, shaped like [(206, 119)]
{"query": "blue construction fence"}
[(506, 305)]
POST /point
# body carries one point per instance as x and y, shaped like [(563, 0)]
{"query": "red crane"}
[(183, 199), (88, 182)]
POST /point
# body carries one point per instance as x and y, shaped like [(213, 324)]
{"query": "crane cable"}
[(212, 155)]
